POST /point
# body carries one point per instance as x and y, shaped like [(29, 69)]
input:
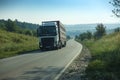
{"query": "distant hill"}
[(19, 27), (23, 25), (26, 25), (73, 30)]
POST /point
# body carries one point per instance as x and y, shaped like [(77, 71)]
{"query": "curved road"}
[(47, 65)]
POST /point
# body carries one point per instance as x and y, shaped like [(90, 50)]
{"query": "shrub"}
[(105, 61)]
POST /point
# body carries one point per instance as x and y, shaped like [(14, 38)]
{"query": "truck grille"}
[(47, 42)]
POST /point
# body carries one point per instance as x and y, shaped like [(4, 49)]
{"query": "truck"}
[(52, 35)]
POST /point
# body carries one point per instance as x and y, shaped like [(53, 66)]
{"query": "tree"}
[(2, 26), (89, 35), (68, 37), (85, 35), (28, 32), (100, 31), (116, 5), (76, 37), (11, 26), (117, 30), (34, 32)]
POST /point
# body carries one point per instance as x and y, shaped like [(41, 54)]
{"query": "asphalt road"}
[(39, 65)]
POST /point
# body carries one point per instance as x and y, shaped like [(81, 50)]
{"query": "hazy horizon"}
[(67, 11), (63, 23)]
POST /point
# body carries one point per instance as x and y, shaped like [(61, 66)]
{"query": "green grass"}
[(105, 61), (12, 44)]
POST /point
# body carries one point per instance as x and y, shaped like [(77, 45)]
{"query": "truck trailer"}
[(52, 35)]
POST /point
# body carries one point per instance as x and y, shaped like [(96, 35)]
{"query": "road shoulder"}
[(76, 70)]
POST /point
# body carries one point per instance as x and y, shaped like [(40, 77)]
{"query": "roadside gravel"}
[(76, 70)]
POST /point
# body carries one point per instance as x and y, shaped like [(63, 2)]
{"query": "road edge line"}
[(61, 72)]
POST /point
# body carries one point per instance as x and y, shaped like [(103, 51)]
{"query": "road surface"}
[(39, 65)]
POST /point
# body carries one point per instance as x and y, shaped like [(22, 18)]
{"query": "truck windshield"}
[(48, 31)]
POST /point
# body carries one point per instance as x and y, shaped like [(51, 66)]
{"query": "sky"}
[(67, 11)]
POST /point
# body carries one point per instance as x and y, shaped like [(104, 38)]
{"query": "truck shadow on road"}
[(36, 51)]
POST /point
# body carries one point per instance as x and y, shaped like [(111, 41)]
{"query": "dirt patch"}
[(76, 70)]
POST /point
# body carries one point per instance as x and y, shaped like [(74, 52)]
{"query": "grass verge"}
[(105, 61), (12, 44)]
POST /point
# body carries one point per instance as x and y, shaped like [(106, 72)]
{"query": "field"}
[(105, 61), (12, 44)]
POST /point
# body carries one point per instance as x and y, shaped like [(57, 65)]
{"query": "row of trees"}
[(17, 27), (100, 31)]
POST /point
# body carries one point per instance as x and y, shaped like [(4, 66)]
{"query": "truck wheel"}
[(57, 47), (64, 43), (60, 45)]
